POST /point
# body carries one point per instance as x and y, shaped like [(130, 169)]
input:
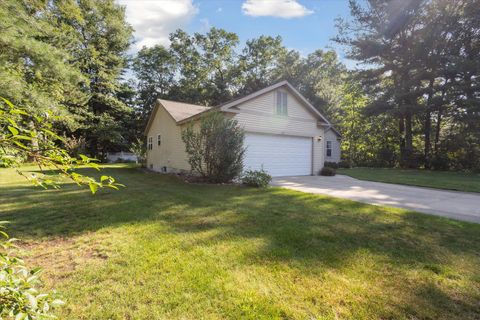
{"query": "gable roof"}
[(285, 83), (179, 111), (183, 112)]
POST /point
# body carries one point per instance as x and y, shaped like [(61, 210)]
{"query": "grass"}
[(460, 181), (164, 249)]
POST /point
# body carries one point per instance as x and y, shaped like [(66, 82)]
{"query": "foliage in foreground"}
[(27, 136), (19, 297), (23, 135), (256, 178), (215, 150)]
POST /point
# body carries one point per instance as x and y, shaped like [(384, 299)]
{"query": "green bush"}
[(327, 171), (256, 178), (333, 165), (20, 297), (215, 150), (440, 162)]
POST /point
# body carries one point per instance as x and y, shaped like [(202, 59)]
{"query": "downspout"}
[(313, 150)]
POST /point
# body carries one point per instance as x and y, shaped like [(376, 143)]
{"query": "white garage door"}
[(279, 155)]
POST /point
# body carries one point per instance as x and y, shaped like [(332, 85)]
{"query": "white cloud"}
[(153, 21), (220, 9), (275, 8)]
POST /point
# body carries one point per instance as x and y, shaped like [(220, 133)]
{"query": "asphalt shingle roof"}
[(181, 110)]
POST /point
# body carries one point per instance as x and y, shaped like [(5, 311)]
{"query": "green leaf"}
[(19, 111), (12, 122), (8, 102), (21, 145), (13, 130), (93, 187), (52, 134), (22, 137), (104, 178), (84, 158)]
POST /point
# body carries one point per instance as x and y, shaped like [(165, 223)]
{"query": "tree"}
[(103, 37), (154, 70), (36, 67), (367, 140), (319, 77), (215, 150), (67, 57), (206, 66), (258, 62), (422, 70)]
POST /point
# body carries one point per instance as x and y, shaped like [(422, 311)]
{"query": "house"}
[(284, 134)]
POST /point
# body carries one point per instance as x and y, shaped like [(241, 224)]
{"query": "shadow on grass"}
[(311, 229), (294, 221)]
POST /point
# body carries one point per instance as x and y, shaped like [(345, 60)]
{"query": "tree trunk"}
[(401, 130), (409, 139), (428, 127)]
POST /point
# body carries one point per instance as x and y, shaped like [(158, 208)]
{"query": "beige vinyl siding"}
[(332, 136), (259, 115), (171, 152)]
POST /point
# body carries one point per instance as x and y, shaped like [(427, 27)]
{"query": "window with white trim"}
[(329, 148), (150, 143), (159, 140), (281, 103)]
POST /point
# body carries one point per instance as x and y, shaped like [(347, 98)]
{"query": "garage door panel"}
[(278, 155)]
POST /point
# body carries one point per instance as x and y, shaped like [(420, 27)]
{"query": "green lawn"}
[(434, 179), (164, 249)]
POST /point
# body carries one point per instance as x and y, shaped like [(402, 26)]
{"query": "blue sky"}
[(304, 25)]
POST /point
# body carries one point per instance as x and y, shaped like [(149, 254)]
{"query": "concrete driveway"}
[(452, 204)]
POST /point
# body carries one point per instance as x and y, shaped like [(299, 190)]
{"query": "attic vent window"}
[(281, 103)]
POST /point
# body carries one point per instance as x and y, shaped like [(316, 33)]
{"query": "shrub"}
[(256, 178), (19, 294), (327, 171), (215, 150), (344, 164), (440, 162), (333, 165)]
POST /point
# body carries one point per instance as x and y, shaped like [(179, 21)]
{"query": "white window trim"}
[(284, 107), (150, 143)]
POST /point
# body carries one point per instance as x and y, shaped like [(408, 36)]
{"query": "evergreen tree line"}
[(414, 102), (68, 57), (421, 79)]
